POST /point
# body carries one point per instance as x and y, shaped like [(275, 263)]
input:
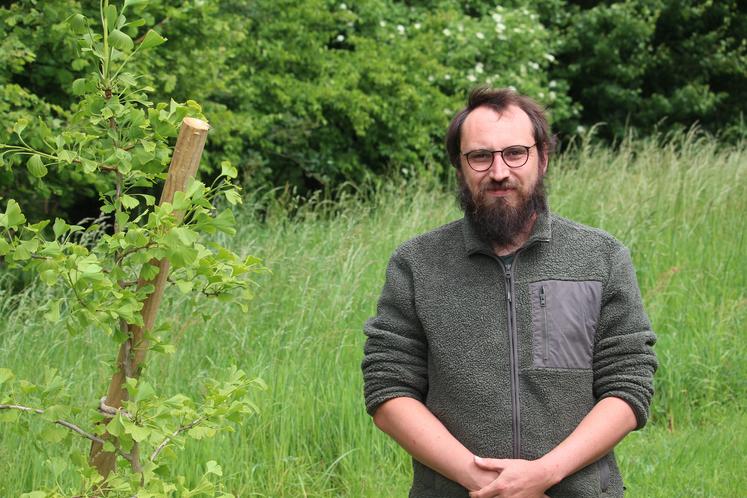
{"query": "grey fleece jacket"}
[(511, 358)]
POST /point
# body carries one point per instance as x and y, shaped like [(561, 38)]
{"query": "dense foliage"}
[(311, 94)]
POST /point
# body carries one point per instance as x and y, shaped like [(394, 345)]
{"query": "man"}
[(510, 352)]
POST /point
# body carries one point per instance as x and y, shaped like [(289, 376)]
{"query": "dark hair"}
[(499, 99)]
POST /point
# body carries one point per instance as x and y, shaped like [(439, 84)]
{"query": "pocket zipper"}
[(543, 305)]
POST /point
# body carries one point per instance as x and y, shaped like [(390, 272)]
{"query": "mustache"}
[(501, 185)]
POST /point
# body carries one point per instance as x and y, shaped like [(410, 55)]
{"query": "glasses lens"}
[(480, 159), (516, 155)]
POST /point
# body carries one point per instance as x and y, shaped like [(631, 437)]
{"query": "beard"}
[(495, 220)]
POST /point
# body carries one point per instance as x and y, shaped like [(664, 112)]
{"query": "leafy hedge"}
[(313, 93)]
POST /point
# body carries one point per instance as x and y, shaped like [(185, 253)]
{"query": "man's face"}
[(502, 200)]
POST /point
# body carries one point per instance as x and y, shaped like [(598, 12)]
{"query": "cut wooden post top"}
[(195, 123)]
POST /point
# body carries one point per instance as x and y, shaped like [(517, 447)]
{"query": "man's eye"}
[(514, 152), (480, 156)]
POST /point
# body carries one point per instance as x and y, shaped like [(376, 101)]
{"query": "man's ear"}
[(544, 163)]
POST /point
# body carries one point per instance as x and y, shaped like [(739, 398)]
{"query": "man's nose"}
[(498, 170)]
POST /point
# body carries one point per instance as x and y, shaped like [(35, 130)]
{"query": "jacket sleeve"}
[(624, 360), (395, 354)]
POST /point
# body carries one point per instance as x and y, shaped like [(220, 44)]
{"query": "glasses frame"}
[(494, 152)]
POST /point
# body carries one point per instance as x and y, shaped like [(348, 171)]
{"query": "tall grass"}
[(679, 205)]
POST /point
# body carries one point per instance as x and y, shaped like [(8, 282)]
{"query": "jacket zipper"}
[(514, 360), (543, 305)]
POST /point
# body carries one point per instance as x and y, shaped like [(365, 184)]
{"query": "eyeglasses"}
[(515, 156)]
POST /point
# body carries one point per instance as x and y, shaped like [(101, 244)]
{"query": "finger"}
[(490, 463), (487, 492)]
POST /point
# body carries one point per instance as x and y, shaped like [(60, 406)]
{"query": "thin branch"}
[(69, 426), (22, 408), (173, 435)]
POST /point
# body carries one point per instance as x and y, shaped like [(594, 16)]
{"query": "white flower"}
[(447, 77), (382, 23), (400, 29), (552, 84), (340, 38), (497, 18), (512, 88), (479, 68), (500, 27), (416, 25), (580, 129), (446, 32), (431, 78), (533, 65), (343, 6), (472, 78), (550, 57), (480, 36)]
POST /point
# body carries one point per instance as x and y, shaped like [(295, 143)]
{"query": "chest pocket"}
[(564, 321)]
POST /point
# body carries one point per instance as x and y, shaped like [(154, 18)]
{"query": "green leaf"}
[(129, 202), (34, 494), (127, 79), (14, 216), (89, 265), (225, 222), (78, 24), (121, 41), (36, 166), (149, 272), (110, 14), (53, 315), (89, 166), (79, 86), (152, 39), (109, 447), (4, 246), (53, 433), (37, 227), (139, 434), (59, 227), (115, 427), (129, 3), (233, 197), (213, 468), (185, 286), (228, 170), (201, 432), (181, 201), (20, 125), (144, 391), (136, 237)]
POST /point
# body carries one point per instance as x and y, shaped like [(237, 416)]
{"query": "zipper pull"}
[(543, 299), (508, 281)]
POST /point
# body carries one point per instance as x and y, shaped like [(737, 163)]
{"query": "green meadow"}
[(680, 205)]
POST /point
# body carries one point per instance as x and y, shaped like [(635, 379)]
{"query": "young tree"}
[(114, 271)]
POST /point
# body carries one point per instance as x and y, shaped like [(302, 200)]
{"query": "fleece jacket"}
[(511, 357)]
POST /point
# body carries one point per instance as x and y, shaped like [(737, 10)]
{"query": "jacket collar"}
[(541, 232)]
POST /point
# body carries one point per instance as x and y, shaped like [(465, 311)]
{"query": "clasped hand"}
[(516, 479)]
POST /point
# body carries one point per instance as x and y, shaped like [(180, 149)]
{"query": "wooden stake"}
[(132, 352)]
